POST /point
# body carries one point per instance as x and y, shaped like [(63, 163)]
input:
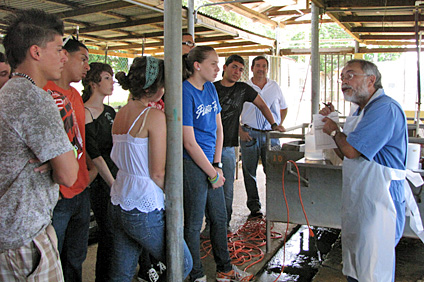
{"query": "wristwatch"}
[(274, 124), (218, 165), (333, 133)]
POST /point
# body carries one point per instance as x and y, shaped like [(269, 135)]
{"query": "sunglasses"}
[(189, 43)]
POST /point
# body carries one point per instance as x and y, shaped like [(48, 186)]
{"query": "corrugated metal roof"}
[(121, 25)]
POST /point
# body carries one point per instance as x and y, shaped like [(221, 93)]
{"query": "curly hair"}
[(93, 75), (136, 79)]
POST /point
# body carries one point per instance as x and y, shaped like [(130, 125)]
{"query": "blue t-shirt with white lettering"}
[(200, 108)]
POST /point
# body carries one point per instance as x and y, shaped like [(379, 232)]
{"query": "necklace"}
[(24, 76)]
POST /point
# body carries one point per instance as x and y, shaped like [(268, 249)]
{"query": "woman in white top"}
[(139, 151)]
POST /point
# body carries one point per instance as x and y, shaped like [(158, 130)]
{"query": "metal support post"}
[(315, 60), (190, 17), (174, 154)]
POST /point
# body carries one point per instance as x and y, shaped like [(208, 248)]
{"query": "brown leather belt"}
[(260, 130)]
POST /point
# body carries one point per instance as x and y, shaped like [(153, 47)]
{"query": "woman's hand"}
[(221, 179)]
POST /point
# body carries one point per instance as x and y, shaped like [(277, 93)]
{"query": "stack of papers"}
[(323, 140)]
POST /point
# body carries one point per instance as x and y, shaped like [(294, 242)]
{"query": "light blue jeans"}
[(251, 151), (135, 231)]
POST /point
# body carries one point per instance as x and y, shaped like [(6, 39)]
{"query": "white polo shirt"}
[(274, 99)]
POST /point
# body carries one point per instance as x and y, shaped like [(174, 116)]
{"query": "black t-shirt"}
[(232, 100), (98, 135)]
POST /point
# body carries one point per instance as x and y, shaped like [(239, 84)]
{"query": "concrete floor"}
[(410, 252), (240, 213)]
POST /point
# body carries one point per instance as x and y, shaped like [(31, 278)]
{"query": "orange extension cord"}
[(311, 233), (245, 243)]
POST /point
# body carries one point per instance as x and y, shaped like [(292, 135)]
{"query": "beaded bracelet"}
[(215, 179)]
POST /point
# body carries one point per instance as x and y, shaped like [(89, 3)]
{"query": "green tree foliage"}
[(117, 63), (382, 57)]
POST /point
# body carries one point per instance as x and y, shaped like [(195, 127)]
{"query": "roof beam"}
[(367, 3), (247, 48), (243, 53), (200, 40), (198, 29), (335, 18), (306, 22), (385, 29), (379, 19), (349, 50), (234, 31), (390, 43), (387, 37), (93, 9), (249, 13), (288, 13), (122, 25)]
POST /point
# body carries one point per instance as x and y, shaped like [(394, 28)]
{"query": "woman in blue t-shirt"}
[(203, 177)]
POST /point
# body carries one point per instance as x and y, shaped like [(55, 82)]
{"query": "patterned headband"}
[(152, 70)]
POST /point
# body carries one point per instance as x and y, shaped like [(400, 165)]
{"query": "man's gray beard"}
[(358, 96)]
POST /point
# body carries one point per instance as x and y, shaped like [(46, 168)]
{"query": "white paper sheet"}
[(323, 140)]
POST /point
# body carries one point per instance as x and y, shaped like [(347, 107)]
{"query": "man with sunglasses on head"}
[(232, 96), (188, 42), (255, 125), (373, 144), (71, 216)]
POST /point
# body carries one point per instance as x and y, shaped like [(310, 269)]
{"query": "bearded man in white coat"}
[(374, 146)]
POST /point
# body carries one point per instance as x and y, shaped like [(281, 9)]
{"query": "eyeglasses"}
[(189, 43), (349, 76)]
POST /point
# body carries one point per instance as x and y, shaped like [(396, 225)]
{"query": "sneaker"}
[(153, 275), (233, 275), (161, 267), (256, 214), (201, 279)]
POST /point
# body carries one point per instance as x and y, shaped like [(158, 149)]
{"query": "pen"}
[(328, 105)]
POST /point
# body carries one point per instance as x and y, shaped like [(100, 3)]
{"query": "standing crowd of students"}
[(65, 153)]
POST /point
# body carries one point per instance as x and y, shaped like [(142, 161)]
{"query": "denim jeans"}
[(71, 221), (100, 199), (228, 159), (135, 231), (198, 195), (251, 151)]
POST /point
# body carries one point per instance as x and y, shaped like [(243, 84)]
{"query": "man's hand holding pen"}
[(329, 108)]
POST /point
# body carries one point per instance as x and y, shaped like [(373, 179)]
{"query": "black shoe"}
[(256, 214)]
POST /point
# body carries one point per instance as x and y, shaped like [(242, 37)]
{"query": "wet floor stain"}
[(302, 255)]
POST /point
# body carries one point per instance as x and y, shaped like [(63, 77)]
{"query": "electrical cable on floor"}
[(245, 244), (311, 233)]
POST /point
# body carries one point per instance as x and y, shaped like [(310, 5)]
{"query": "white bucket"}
[(310, 152), (414, 154)]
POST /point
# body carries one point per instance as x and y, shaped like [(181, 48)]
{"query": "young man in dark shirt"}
[(232, 96)]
